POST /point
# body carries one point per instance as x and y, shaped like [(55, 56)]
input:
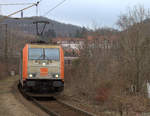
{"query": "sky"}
[(86, 13)]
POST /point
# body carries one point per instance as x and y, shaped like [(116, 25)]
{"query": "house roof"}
[(66, 39), (89, 38)]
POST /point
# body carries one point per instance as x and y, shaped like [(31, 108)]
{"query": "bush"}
[(4, 71)]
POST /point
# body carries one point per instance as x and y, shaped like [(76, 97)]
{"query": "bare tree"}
[(115, 74), (135, 46)]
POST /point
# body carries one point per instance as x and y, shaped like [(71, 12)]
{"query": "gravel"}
[(12, 102)]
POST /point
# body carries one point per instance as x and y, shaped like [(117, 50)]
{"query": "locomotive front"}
[(42, 68)]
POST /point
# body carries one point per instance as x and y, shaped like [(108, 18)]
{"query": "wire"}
[(18, 4), (22, 3), (54, 8)]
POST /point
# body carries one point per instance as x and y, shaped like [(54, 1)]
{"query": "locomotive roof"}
[(43, 46)]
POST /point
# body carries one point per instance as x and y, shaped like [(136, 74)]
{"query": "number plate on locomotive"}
[(43, 71)]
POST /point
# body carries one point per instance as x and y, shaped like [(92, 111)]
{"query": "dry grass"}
[(3, 70)]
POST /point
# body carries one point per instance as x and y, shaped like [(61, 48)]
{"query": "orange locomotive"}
[(42, 68)]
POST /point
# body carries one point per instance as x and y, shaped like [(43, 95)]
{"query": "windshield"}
[(35, 53), (52, 53), (44, 53)]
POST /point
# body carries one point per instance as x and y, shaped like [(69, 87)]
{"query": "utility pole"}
[(37, 8), (1, 10), (6, 46), (22, 14)]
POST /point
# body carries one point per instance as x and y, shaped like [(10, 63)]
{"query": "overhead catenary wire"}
[(18, 4), (21, 10), (32, 4), (54, 8), (15, 4)]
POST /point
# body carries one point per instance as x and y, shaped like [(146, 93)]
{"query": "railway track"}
[(55, 107)]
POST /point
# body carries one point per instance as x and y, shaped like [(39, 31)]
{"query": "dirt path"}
[(12, 103)]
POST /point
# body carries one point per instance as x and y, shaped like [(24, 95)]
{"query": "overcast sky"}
[(79, 12)]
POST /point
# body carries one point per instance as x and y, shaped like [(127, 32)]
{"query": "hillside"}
[(27, 26)]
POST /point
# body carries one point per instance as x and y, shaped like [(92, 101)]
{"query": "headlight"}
[(56, 76), (43, 63), (30, 75)]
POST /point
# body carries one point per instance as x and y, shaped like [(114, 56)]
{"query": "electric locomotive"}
[(42, 69)]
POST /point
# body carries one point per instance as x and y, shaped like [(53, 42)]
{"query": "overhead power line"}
[(21, 3), (18, 4), (54, 8), (34, 4), (14, 4)]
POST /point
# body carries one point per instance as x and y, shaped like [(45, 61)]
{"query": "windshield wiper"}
[(43, 53)]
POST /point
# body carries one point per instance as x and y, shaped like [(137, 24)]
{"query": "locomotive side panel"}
[(61, 63), (25, 62)]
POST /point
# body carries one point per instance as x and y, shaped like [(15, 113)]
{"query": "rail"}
[(56, 107)]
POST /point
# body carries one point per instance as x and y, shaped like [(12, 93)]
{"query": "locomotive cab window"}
[(43, 54), (35, 53), (51, 53)]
